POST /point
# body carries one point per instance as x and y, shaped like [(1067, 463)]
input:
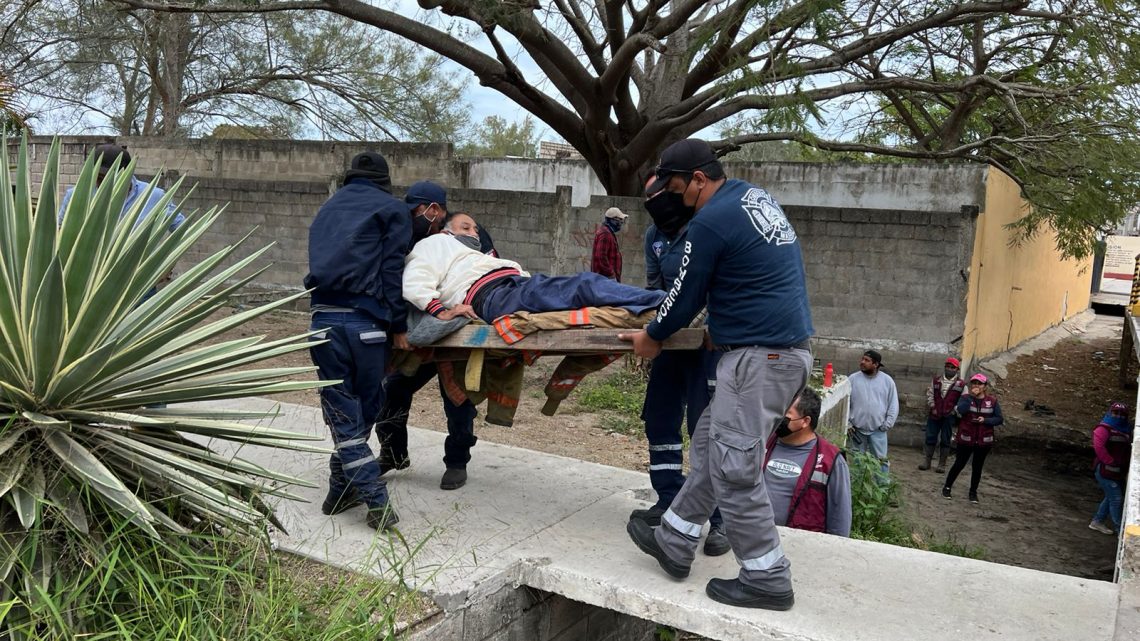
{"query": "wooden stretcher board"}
[(564, 341)]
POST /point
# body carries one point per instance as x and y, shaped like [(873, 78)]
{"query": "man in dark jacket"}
[(357, 244), (427, 203)]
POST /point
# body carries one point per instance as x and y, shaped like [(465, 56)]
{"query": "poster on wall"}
[(1119, 262)]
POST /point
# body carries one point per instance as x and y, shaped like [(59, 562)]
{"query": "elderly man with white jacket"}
[(447, 276)]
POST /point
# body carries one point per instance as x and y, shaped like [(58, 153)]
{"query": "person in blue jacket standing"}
[(680, 382), (741, 258), (357, 245)]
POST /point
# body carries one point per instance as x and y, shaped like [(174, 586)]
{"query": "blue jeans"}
[(874, 443), (939, 428), (356, 354), (679, 387), (392, 426), (1113, 503), (542, 293)]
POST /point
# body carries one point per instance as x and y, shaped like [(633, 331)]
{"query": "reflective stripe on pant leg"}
[(696, 500), (682, 526), (663, 413), (765, 382), (763, 562)]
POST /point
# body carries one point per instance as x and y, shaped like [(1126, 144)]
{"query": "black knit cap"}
[(875, 357), (370, 165), (109, 152)]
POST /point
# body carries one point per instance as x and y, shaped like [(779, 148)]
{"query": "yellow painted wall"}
[(1016, 291)]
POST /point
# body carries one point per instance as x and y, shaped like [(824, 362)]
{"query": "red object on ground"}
[(828, 371)]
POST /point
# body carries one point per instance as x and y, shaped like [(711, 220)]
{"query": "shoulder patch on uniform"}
[(767, 217), (658, 248)]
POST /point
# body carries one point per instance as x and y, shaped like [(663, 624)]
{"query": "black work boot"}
[(716, 543), (946, 491), (733, 592), (389, 460), (338, 502), (642, 535), (453, 479), (651, 516), (927, 454), (943, 453), (382, 518)]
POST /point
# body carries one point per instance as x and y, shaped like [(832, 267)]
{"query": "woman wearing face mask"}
[(978, 414), (680, 382)]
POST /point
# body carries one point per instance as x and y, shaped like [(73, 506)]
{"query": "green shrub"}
[(874, 497)]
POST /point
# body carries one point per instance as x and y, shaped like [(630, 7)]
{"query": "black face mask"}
[(421, 228), (782, 428), (669, 212)]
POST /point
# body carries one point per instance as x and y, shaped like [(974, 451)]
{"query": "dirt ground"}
[(1037, 490)]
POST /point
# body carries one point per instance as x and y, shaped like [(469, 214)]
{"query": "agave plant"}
[(87, 359)]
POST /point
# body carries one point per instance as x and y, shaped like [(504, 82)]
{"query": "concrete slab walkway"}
[(558, 524)]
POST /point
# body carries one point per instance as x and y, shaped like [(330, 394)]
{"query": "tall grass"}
[(207, 587)]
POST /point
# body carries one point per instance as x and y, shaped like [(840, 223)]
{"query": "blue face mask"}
[(615, 224)]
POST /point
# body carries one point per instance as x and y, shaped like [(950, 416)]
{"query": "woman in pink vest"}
[(978, 414), (1112, 442)]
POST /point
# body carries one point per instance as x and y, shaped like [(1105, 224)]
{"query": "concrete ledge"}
[(557, 524)]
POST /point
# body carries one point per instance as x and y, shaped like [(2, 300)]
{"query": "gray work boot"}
[(942, 455), (927, 454)]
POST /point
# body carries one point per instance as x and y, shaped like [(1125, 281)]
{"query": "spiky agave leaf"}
[(84, 351)]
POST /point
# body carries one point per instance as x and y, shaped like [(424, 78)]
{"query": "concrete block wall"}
[(273, 160), (526, 614), (890, 280)]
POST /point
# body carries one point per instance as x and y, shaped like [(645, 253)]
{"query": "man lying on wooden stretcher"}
[(447, 276)]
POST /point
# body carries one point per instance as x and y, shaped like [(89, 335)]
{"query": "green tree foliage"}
[(496, 138), (86, 62)]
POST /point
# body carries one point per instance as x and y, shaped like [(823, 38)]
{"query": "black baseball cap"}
[(682, 157), (109, 152)]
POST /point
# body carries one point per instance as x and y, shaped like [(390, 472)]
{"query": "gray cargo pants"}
[(755, 386)]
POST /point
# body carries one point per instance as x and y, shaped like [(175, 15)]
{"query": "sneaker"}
[(1101, 527), (453, 479), (642, 535), (973, 497), (382, 518), (716, 543), (733, 592), (651, 516), (336, 503), (945, 492)]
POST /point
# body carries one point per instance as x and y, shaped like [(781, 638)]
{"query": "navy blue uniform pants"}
[(356, 353), (679, 388), (542, 293), (392, 426)]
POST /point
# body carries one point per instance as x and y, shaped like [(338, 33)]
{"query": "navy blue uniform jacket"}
[(357, 244), (740, 254)]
